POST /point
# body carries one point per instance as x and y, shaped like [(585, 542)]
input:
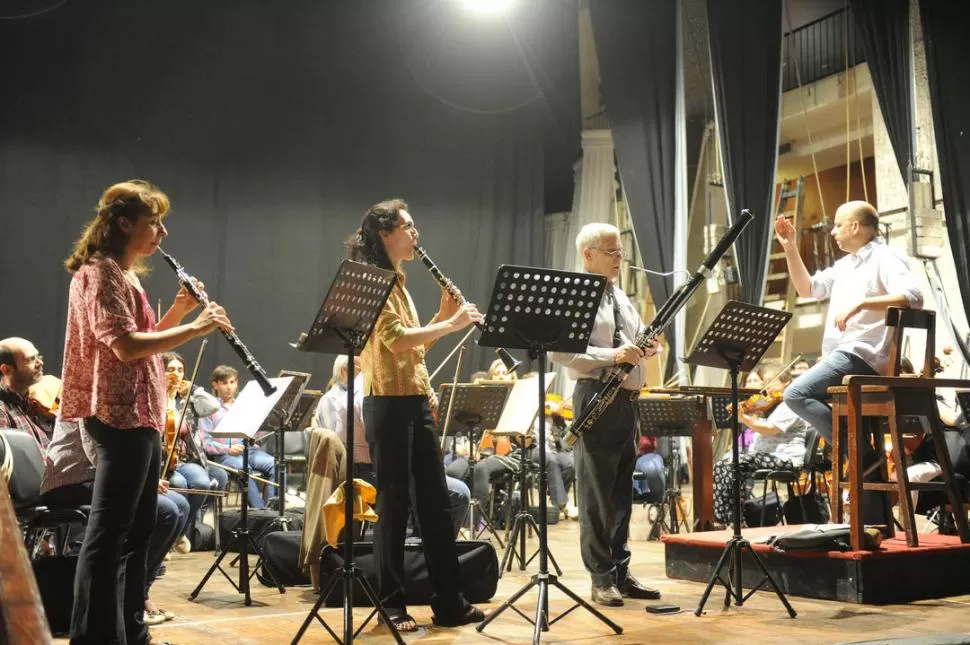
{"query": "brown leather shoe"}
[(633, 589), (607, 595)]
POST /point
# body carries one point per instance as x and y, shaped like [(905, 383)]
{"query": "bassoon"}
[(614, 378)]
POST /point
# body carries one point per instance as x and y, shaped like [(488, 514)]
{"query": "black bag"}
[(261, 522), (203, 537), (821, 538), (477, 560), (281, 560), (816, 510), (753, 506), (55, 580)]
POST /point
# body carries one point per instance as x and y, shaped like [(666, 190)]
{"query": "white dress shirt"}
[(875, 270), (332, 414), (599, 355)]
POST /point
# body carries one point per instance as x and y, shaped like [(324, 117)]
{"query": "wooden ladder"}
[(779, 289)]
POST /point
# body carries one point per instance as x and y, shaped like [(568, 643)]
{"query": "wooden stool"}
[(899, 400)]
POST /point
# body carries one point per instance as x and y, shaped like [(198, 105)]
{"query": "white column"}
[(593, 197)]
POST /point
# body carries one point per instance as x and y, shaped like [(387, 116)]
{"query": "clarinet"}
[(511, 364), (241, 350), (665, 315)]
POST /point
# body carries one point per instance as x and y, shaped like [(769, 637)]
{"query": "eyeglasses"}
[(37, 358), (613, 252), (407, 226)]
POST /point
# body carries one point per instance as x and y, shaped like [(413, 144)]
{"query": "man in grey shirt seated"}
[(779, 444)]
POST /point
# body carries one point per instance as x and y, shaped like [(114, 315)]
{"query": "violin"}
[(556, 406), (169, 444), (762, 403), (45, 396)]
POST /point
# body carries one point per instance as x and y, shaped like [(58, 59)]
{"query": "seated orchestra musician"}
[(69, 481), (187, 468), (21, 367), (331, 413), (778, 443), (860, 287), (229, 452), (650, 462)]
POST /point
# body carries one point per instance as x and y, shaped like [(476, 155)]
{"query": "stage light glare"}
[(488, 7)]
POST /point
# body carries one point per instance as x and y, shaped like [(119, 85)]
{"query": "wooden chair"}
[(900, 400)]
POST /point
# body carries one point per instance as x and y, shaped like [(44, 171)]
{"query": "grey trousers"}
[(605, 457)]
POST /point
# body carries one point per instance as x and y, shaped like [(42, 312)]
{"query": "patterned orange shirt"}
[(395, 374)]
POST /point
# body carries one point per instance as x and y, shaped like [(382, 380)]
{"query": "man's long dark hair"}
[(366, 245)]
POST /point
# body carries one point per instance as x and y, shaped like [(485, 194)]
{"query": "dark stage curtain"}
[(945, 27), (636, 44), (273, 126), (745, 44), (884, 27)]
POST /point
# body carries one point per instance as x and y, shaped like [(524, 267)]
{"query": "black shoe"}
[(633, 589), (607, 595), (471, 616)]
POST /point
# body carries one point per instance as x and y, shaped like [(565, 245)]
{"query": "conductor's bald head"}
[(856, 224)]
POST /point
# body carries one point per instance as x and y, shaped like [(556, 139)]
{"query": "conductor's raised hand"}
[(784, 230), (628, 353), (211, 316), (466, 315)]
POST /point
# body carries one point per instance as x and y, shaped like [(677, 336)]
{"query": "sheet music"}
[(247, 414), (522, 406)]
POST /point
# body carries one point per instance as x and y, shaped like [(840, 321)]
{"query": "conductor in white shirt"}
[(859, 287)]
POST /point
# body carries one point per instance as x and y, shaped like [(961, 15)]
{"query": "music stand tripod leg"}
[(737, 544), (349, 572), (241, 537), (543, 578)]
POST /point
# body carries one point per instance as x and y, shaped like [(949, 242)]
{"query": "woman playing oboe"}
[(113, 379), (399, 426)]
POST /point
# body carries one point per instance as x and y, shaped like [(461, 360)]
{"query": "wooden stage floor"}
[(219, 617)]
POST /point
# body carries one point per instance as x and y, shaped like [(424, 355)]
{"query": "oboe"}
[(241, 350), (511, 364)]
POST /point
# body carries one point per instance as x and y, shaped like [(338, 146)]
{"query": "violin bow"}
[(451, 399), (764, 388)]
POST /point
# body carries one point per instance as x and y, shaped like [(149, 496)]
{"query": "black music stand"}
[(306, 409), (343, 325), (242, 421), (542, 310), (736, 341), (476, 406), (671, 418), (285, 413), (721, 416), (521, 416)]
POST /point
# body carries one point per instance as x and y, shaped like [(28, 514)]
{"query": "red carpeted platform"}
[(939, 567)]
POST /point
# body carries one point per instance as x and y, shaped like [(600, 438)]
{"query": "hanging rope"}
[(848, 119), (801, 96), (858, 118), (854, 85)]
